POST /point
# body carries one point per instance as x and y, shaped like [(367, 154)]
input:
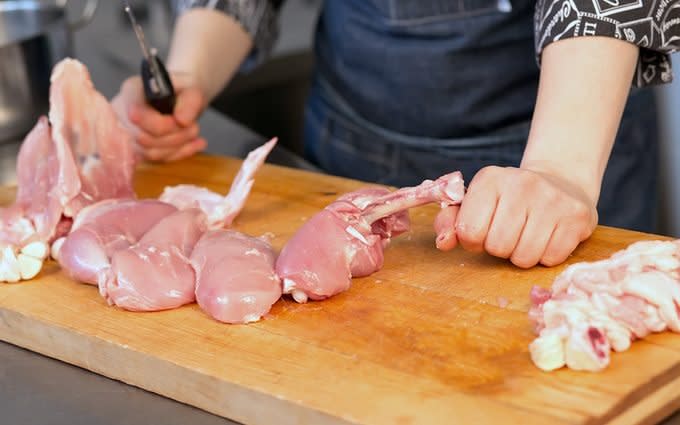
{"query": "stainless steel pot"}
[(34, 36)]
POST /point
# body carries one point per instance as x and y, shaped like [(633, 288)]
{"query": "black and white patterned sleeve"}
[(653, 25), (259, 18)]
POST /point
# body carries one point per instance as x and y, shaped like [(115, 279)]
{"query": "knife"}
[(158, 88)]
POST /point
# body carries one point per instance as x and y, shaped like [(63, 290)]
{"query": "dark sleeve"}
[(259, 18), (654, 26)]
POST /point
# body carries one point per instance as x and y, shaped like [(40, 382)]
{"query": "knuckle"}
[(557, 253), (554, 254), (564, 242), (469, 234), (580, 211), (553, 259), (497, 248), (487, 172), (470, 244), (552, 199), (523, 260)]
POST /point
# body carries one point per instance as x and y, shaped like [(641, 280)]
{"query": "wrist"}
[(578, 109), (186, 78), (186, 73), (582, 177), (198, 50)]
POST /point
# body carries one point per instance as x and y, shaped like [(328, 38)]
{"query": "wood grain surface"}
[(423, 341)]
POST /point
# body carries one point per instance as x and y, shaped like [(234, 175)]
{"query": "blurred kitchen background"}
[(266, 101), (262, 103)]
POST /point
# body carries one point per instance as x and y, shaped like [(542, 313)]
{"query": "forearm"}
[(583, 89), (209, 46)]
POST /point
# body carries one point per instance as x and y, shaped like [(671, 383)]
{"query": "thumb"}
[(189, 106), (444, 226)]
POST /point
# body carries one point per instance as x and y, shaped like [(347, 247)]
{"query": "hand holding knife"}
[(158, 88)]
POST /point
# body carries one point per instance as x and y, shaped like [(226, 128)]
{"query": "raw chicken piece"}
[(594, 307), (155, 273), (27, 227), (235, 277), (87, 131), (347, 238), (33, 214), (39, 173), (103, 228), (221, 210), (110, 237)]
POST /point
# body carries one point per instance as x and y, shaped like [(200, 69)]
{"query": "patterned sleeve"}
[(257, 17), (653, 25)]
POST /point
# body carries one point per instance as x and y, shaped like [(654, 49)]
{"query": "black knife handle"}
[(159, 94)]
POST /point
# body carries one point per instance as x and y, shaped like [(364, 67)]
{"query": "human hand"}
[(445, 227), (528, 215), (162, 137)]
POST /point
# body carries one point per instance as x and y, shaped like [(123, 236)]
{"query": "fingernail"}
[(443, 237)]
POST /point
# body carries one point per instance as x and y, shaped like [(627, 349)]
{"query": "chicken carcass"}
[(235, 277), (87, 130), (595, 307), (221, 210), (347, 238), (155, 273), (84, 157)]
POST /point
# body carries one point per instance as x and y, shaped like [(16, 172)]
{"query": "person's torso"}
[(431, 68)]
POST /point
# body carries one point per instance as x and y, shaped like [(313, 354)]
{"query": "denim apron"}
[(405, 90)]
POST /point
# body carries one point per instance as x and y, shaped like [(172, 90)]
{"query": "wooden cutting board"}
[(423, 341)]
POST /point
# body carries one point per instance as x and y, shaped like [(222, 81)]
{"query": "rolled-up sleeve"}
[(654, 26), (259, 18)]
